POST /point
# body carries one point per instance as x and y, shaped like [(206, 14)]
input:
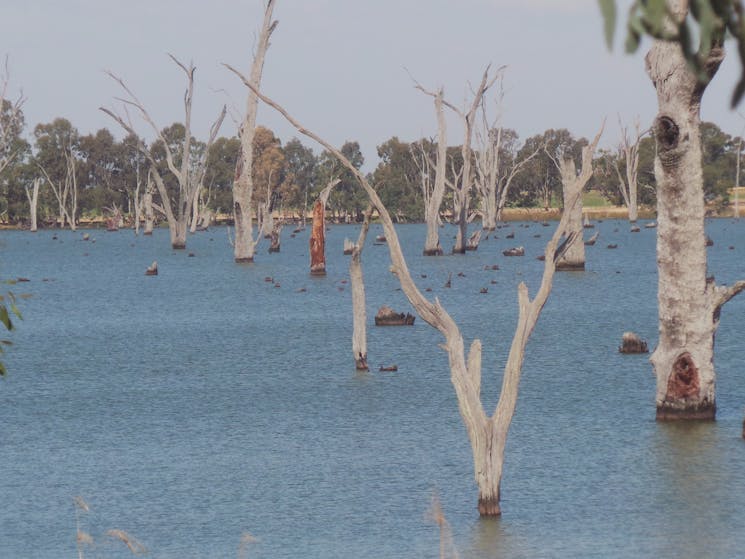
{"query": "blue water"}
[(205, 403)]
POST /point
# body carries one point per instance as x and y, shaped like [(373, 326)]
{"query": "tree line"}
[(96, 175)]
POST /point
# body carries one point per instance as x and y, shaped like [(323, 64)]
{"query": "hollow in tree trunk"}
[(688, 303)]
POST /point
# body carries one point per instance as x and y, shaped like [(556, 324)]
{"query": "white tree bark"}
[(462, 191), (147, 205), (629, 185), (433, 190), (689, 304), (574, 255), (33, 201), (10, 126), (359, 313), (487, 434), (244, 246), (189, 173), (66, 190)]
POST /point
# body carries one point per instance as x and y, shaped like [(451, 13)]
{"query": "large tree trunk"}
[(574, 255), (147, 204), (359, 314), (33, 201), (689, 304), (244, 246)]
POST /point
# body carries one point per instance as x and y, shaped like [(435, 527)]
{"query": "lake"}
[(205, 403)]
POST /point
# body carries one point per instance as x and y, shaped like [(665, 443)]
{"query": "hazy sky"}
[(339, 66)]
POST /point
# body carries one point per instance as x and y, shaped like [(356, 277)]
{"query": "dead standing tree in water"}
[(462, 187), (33, 201), (66, 189), (487, 434), (359, 314), (574, 256), (244, 246), (433, 189), (496, 165), (689, 303), (179, 211), (318, 232), (629, 185)]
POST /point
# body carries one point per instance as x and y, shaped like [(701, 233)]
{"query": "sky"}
[(343, 68)]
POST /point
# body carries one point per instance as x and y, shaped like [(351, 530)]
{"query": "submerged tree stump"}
[(632, 343), (388, 317), (515, 251), (152, 270)]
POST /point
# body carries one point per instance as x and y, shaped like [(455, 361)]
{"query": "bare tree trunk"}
[(147, 203), (689, 303), (434, 191), (244, 246), (574, 256), (462, 192), (33, 201), (359, 314), (488, 435), (630, 186), (318, 232)]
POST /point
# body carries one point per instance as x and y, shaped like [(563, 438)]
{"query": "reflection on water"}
[(192, 407)]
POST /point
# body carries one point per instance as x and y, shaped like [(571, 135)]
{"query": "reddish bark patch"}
[(684, 380), (318, 241)]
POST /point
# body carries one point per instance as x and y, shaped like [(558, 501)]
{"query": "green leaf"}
[(2, 369), (5, 318), (608, 11)]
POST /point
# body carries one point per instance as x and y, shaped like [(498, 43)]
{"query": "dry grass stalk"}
[(134, 546), (436, 514), (80, 503), (84, 538)]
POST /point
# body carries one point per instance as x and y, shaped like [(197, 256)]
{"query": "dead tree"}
[(689, 303), (178, 211), (462, 187), (487, 434), (66, 189), (318, 232), (359, 314), (433, 188), (244, 245), (33, 201), (147, 205), (629, 183), (574, 255), (12, 122), (494, 176)]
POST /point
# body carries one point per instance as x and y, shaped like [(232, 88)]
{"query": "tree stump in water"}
[(388, 317), (152, 269), (632, 343), (318, 241), (516, 251)]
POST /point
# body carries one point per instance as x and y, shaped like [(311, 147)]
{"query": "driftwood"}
[(632, 343), (388, 317), (388, 368)]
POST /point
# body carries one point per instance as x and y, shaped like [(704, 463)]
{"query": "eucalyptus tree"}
[(432, 172), (177, 208), (628, 182), (300, 176), (398, 178), (487, 434), (57, 157), (689, 301), (244, 246)]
